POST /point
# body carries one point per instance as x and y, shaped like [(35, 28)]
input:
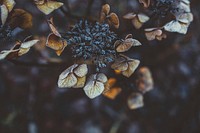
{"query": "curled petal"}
[(114, 20), (132, 65), (129, 16), (142, 18), (65, 73), (120, 64)]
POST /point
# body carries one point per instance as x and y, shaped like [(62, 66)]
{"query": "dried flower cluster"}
[(176, 12), (93, 44)]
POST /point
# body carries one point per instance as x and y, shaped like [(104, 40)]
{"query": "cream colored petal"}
[(67, 82), (29, 44), (132, 65), (135, 100), (4, 54), (65, 73), (136, 23), (142, 17), (9, 4), (173, 26), (23, 51), (122, 66), (81, 70), (80, 82), (151, 35), (129, 16), (49, 6), (4, 14), (93, 89), (185, 17), (101, 77)]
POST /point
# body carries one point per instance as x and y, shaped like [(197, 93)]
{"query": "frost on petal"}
[(135, 100), (93, 89)]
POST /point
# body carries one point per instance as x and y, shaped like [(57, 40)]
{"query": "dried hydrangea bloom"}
[(135, 100), (19, 49), (47, 6)]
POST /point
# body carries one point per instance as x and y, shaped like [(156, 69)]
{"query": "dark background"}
[(31, 102)]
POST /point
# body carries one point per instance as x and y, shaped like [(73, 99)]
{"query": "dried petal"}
[(93, 89), (105, 9), (65, 73), (152, 33), (9, 4), (136, 23), (175, 26), (101, 78), (143, 18), (109, 84), (4, 14), (81, 70), (68, 82), (114, 20), (129, 16), (49, 6), (132, 65), (120, 64), (185, 17), (53, 28), (80, 82), (135, 100), (128, 36)]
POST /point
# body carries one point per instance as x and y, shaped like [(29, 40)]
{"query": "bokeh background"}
[(31, 102)]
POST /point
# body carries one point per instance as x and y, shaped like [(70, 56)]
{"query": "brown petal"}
[(93, 89), (80, 82), (4, 14), (124, 46), (129, 16), (128, 36), (105, 9), (163, 36), (135, 100), (114, 20), (20, 18), (68, 82), (132, 65), (120, 64), (152, 34), (109, 84), (56, 43), (49, 6), (145, 3), (81, 70), (144, 80)]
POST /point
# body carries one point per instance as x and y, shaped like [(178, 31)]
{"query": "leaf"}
[(20, 18), (144, 81), (4, 14), (135, 100), (145, 3), (49, 6), (56, 43)]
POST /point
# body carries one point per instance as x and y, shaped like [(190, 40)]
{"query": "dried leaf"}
[(4, 14), (137, 19), (49, 6), (145, 3), (20, 18), (135, 100), (144, 80)]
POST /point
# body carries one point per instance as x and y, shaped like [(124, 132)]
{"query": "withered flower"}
[(55, 40), (111, 18), (19, 49), (126, 65), (125, 45), (95, 85), (135, 100), (47, 6), (137, 19)]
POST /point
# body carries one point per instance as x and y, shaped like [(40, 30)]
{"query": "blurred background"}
[(31, 102)]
